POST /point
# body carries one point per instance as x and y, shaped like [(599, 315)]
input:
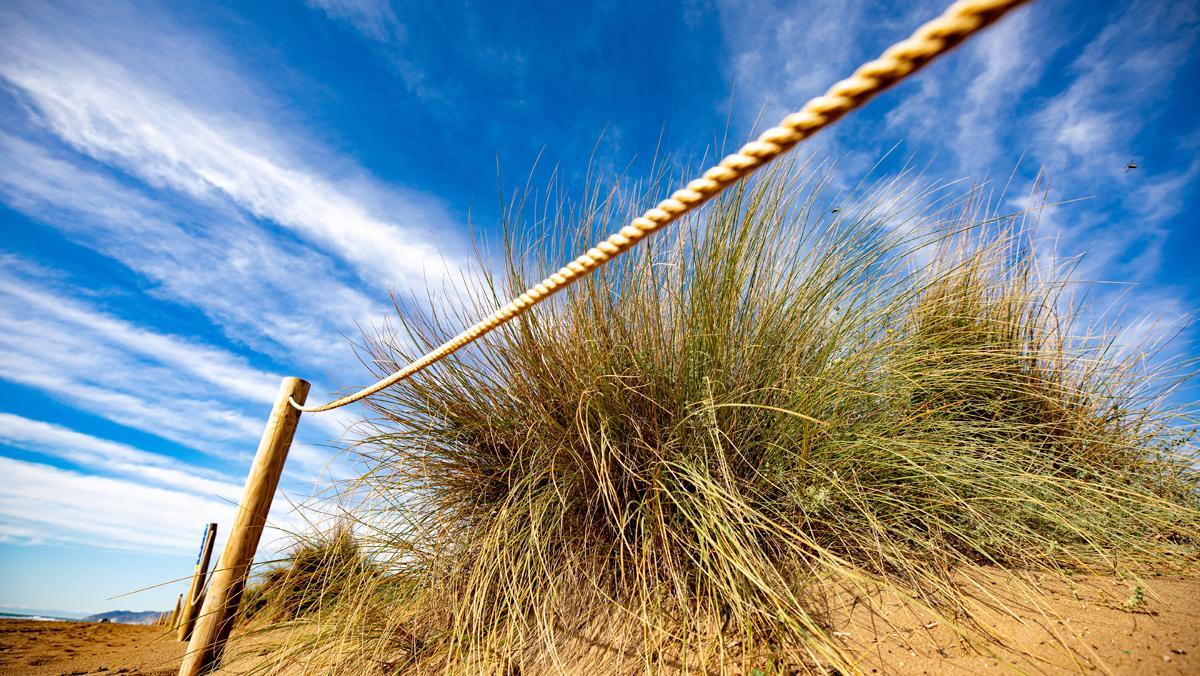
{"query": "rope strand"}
[(961, 20)]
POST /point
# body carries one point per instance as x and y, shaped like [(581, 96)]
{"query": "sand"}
[(36, 648), (1044, 625), (1047, 625)]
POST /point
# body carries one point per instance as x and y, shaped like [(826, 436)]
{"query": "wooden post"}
[(173, 617), (195, 595), (229, 579)]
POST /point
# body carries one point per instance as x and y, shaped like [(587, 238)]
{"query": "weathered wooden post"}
[(173, 617), (229, 579), (195, 595)]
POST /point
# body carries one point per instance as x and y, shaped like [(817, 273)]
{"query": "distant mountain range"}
[(125, 616)]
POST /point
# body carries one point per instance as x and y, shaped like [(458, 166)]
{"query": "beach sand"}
[(1043, 625), (36, 648), (1108, 629)]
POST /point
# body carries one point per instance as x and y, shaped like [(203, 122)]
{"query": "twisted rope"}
[(957, 23)]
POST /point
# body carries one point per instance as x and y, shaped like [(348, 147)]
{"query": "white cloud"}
[(1003, 66), (114, 458), (46, 504), (65, 357), (244, 278), (373, 18), (105, 381), (194, 394), (781, 54), (968, 105), (168, 145), (114, 113), (63, 506), (210, 166), (215, 368), (125, 463), (1117, 80), (978, 112), (1086, 134)]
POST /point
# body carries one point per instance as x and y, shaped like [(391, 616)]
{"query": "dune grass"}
[(315, 573), (687, 461)]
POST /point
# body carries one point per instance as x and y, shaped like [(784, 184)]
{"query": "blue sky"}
[(199, 198)]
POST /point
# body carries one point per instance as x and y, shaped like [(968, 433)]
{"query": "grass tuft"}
[(692, 459), (314, 574)]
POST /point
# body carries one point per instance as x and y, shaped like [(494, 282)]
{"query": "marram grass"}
[(687, 461)]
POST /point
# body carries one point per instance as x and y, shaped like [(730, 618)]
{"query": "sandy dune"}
[(1106, 633)]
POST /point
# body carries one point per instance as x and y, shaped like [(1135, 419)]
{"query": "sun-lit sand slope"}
[(1160, 636), (1092, 625)]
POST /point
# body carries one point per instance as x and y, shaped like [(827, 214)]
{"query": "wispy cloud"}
[(1087, 132), (111, 119), (966, 108), (46, 504), (250, 281), (1092, 125), (216, 368), (1004, 105), (105, 382), (1003, 65), (373, 18), (194, 394), (57, 505), (780, 54), (119, 116), (111, 458), (191, 183), (178, 494)]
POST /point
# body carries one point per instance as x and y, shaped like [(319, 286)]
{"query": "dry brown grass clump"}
[(316, 573), (683, 461)]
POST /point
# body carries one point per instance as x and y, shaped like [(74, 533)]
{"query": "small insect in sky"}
[(834, 210), (1130, 166)]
